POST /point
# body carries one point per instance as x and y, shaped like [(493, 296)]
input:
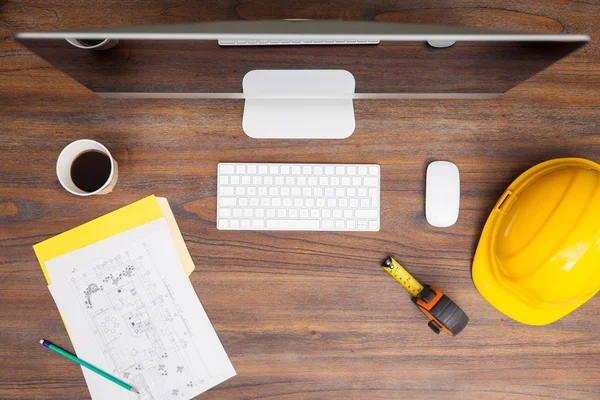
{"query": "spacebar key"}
[(293, 224)]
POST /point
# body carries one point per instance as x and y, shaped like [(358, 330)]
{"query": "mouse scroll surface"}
[(442, 197)]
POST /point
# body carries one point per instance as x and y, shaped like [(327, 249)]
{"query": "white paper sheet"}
[(131, 311)]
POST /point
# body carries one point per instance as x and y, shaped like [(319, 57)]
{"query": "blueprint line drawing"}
[(135, 317)]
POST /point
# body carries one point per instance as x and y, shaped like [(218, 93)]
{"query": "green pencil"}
[(88, 366)]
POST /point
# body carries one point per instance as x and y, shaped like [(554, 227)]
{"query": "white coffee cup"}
[(70, 153)]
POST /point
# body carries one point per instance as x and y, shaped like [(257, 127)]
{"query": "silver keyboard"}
[(307, 197)]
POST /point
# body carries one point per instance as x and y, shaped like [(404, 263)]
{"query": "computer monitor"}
[(298, 78)]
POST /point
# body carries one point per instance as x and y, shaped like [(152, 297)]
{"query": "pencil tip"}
[(134, 390), (41, 341)]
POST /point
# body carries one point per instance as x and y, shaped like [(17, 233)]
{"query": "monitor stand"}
[(298, 104)]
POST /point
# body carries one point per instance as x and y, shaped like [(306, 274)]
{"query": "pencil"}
[(87, 365)]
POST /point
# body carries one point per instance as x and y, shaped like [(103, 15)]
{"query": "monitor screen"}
[(396, 59)]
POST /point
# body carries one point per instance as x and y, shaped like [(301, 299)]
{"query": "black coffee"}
[(90, 170), (90, 42)]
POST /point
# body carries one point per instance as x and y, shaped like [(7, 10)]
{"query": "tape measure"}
[(443, 313)]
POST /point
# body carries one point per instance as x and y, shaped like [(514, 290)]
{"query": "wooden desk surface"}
[(302, 315)]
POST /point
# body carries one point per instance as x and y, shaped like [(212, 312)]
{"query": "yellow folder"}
[(131, 216)]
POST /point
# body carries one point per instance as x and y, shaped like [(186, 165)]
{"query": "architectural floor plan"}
[(133, 307)]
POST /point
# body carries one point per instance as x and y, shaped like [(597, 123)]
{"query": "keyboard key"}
[(268, 180), (293, 213), (224, 212), (223, 180), (370, 181), (296, 191), (234, 180), (362, 170), (331, 202), (318, 192), (262, 191), (343, 203), (296, 170), (339, 224), (237, 212), (240, 169), (290, 181), (310, 202), (345, 181), (337, 213), (353, 203), (304, 213), (273, 169), (318, 170), (257, 180), (279, 180), (348, 214), (226, 191), (312, 181), (351, 192), (306, 192), (362, 192), (340, 170), (339, 192), (351, 170), (254, 202), (374, 171), (285, 191), (273, 191), (301, 181), (362, 224), (306, 169), (271, 213), (276, 202), (223, 223), (327, 224), (251, 191), (259, 212), (296, 224), (288, 202), (367, 214), (321, 202), (374, 225), (323, 181), (262, 169), (246, 180), (243, 201), (240, 191), (285, 169), (258, 223), (326, 213), (365, 203), (227, 201), (281, 213), (251, 169), (248, 212), (334, 181), (245, 223), (329, 170), (234, 223), (351, 224), (265, 202), (314, 213), (298, 202), (226, 169)]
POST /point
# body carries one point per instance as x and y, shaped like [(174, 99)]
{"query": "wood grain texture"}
[(303, 315)]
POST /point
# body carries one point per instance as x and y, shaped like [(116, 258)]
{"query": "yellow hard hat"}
[(538, 258)]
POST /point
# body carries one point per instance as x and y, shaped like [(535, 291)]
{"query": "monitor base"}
[(298, 104)]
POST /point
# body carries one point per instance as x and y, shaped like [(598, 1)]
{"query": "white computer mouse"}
[(442, 194)]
